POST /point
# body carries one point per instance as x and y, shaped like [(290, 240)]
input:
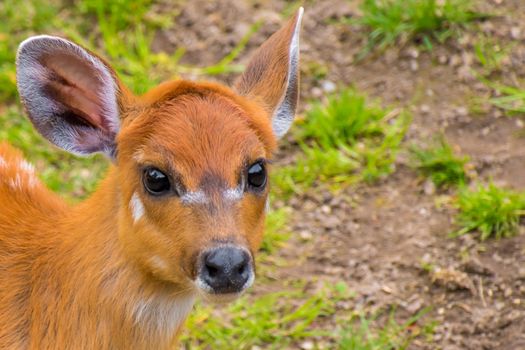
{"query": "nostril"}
[(212, 270), (241, 269)]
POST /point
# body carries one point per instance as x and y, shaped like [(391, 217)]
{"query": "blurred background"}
[(398, 196)]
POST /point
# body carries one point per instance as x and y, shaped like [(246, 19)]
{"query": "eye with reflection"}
[(256, 176), (155, 181)]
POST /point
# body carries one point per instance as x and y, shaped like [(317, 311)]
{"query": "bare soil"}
[(377, 238)]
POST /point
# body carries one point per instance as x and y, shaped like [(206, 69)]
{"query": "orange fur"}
[(99, 276)]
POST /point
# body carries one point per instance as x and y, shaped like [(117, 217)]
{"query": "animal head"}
[(191, 158)]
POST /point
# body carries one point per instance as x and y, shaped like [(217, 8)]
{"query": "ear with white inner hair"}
[(69, 93), (272, 76)]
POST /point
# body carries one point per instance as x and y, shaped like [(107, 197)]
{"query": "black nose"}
[(226, 269)]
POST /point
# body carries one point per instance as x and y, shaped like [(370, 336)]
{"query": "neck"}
[(137, 308)]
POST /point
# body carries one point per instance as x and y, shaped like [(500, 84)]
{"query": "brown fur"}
[(90, 276)]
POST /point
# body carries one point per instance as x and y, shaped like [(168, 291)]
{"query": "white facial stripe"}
[(3, 162), (136, 207), (233, 194), (196, 197), (199, 197)]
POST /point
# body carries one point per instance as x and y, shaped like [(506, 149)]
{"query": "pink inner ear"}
[(74, 85)]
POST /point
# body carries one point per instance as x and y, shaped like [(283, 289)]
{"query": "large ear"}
[(69, 93), (272, 76)]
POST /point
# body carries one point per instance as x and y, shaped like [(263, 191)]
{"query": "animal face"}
[(195, 176)]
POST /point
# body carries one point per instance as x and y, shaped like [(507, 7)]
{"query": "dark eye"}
[(257, 175), (155, 181)]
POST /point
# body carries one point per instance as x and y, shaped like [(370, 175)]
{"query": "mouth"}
[(210, 295)]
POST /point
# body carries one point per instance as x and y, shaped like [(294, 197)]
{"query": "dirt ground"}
[(378, 238)]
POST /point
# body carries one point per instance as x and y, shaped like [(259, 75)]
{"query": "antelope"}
[(180, 213)]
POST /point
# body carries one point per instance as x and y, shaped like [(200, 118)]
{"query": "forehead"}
[(198, 136)]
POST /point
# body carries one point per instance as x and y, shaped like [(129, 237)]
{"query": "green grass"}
[(511, 99), (490, 53), (273, 320), (281, 319), (343, 119), (492, 211), (276, 233), (226, 64), (19, 19), (124, 32), (392, 336), (391, 22), (343, 140), (439, 163)]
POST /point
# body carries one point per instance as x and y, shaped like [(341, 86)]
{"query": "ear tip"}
[(37, 42), (297, 20), (299, 15)]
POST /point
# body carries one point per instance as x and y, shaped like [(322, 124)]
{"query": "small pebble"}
[(515, 33), (306, 235), (328, 86), (307, 345), (317, 92), (414, 66), (462, 111)]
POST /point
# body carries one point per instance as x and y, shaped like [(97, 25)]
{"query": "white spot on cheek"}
[(136, 206), (197, 197), (25, 166), (29, 169), (233, 194), (25, 175)]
